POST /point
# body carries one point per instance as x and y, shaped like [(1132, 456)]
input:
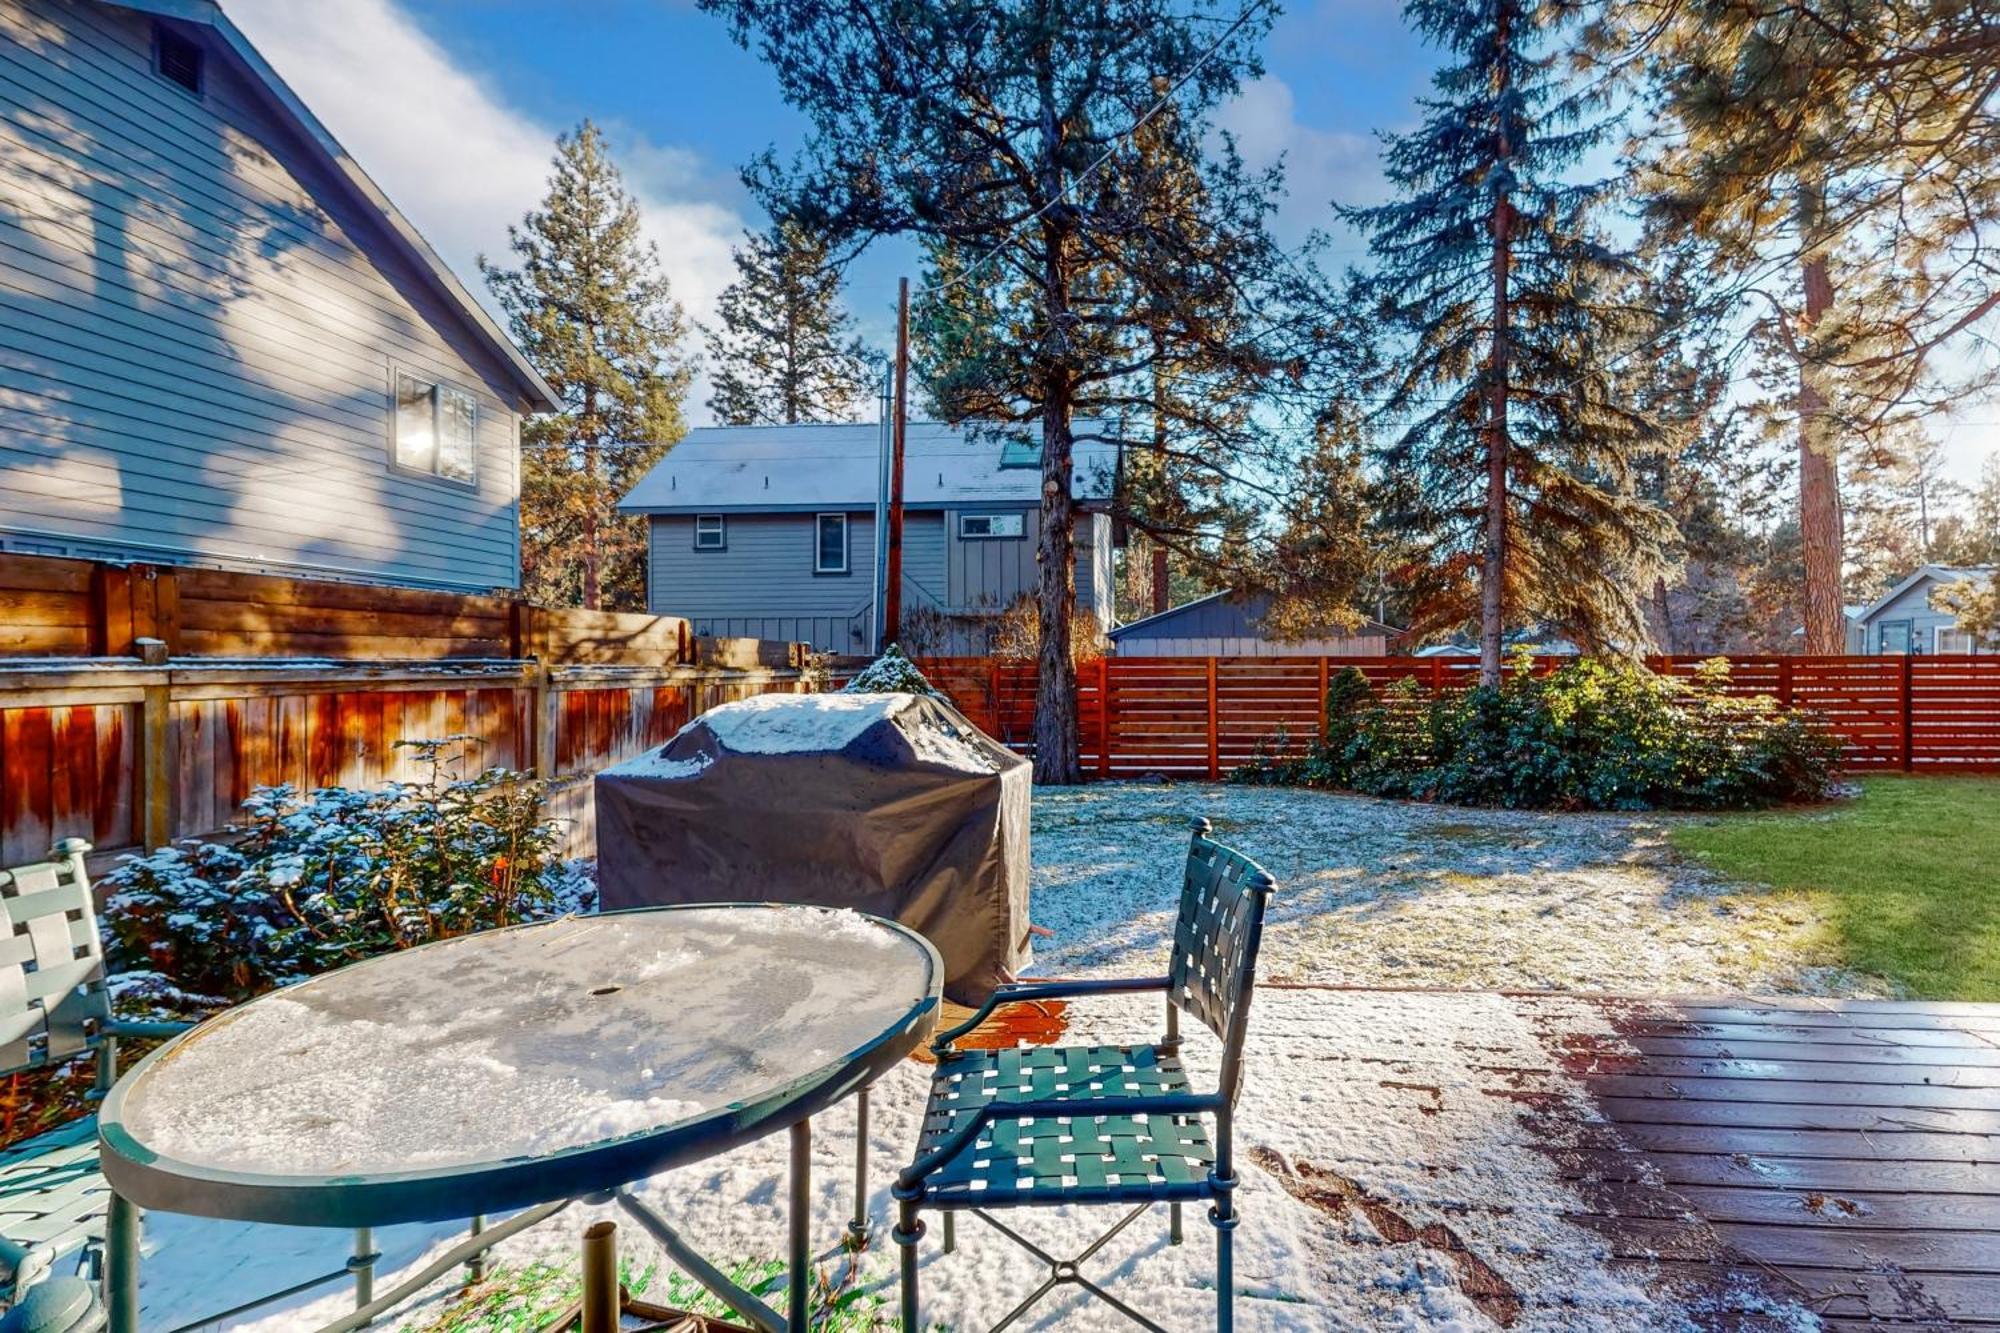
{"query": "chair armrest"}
[(139, 1029), (1178, 1103), (1015, 991)]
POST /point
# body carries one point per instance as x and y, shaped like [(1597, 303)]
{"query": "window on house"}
[(178, 59), (1951, 640), (830, 544), (986, 527), (436, 429), (709, 533)]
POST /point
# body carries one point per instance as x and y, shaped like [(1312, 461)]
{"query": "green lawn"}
[(1907, 876)]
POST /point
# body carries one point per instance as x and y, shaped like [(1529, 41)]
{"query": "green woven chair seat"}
[(52, 1202), (1072, 1159)]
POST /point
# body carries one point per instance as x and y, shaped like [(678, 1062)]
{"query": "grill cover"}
[(888, 803)]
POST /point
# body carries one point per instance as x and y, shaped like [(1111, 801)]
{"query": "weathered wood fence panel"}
[(130, 756), (1203, 716)]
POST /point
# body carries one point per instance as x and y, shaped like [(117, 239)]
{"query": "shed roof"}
[(227, 40), (719, 469), (1220, 615), (1936, 573)]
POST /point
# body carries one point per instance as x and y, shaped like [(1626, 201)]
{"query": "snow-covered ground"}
[(1389, 1179), (1391, 893)]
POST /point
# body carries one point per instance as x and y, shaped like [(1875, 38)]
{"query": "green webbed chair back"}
[(1216, 939), (53, 1000)]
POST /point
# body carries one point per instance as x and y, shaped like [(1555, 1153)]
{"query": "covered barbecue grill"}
[(888, 803)]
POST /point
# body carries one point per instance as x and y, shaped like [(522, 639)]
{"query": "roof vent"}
[(177, 58)]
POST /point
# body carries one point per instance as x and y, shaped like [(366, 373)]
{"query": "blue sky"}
[(452, 106)]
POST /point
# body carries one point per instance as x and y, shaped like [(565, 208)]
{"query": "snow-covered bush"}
[(312, 880), (1589, 735), (892, 673)]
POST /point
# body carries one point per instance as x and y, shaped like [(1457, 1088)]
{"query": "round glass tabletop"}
[(518, 1066)]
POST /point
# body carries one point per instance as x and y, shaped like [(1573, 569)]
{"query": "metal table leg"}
[(801, 1274), (121, 1266), (857, 1228)]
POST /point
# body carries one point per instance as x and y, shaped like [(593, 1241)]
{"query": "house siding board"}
[(200, 331), (986, 574)]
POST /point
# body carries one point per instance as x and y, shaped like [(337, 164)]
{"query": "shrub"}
[(313, 880), (891, 673), (1590, 735)]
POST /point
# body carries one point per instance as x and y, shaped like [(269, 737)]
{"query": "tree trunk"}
[(1160, 598), (1057, 762), (592, 556), (1493, 559), (1820, 535)]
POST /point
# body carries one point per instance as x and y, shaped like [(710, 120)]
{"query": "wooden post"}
[(1909, 712), (1214, 728), (1104, 717), (111, 632), (1784, 682), (156, 768), (892, 595), (1325, 673), (547, 713), (1437, 675), (600, 1278)]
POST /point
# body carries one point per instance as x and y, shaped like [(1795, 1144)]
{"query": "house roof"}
[(752, 469), (228, 41), (1937, 573), (1246, 611)]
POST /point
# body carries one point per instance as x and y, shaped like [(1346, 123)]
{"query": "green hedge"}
[(1590, 735)]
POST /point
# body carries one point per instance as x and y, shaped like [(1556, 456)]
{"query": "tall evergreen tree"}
[(1511, 471), (1834, 158), (783, 353), (1002, 129), (590, 307)]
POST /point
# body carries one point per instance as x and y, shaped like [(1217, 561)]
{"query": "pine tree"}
[(1002, 130), (783, 353), (590, 307), (1834, 157), (1511, 473)]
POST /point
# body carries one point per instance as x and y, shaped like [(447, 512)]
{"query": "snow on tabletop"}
[(526, 1042)]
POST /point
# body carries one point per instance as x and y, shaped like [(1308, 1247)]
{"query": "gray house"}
[(1220, 625), (769, 531), (1903, 620), (219, 342)]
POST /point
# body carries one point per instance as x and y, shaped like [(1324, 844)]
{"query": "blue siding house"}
[(219, 342), (1904, 620), (769, 531)]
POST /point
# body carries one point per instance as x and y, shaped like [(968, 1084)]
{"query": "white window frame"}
[(819, 546), (1018, 520), (1963, 637), (439, 399), (720, 532)]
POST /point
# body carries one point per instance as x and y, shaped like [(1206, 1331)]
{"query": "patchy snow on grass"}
[(1374, 892)]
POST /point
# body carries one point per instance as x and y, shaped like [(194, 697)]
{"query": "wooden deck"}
[(1844, 1154)]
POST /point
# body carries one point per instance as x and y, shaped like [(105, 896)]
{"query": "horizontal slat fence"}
[(131, 756), (1203, 716)]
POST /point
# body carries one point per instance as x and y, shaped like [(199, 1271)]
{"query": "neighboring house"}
[(769, 531), (219, 342), (1220, 625), (1903, 620)]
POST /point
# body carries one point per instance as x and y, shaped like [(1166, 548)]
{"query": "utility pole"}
[(892, 596)]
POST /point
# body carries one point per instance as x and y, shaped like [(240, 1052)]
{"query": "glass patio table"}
[(522, 1069)]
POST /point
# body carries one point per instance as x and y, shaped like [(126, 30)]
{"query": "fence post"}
[(1437, 675), (156, 767), (546, 708), (1909, 712), (1319, 709), (1214, 728), (1104, 717), (1784, 682)]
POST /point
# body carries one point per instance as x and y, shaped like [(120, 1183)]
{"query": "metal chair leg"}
[(951, 1233), (363, 1266), (1223, 1217), (908, 1231), (1174, 1235)]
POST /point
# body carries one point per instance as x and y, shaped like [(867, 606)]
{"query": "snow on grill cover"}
[(887, 803)]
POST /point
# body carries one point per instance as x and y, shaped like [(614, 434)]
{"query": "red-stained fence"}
[(1203, 716)]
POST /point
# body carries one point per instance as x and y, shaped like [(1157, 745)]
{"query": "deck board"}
[(1848, 1150)]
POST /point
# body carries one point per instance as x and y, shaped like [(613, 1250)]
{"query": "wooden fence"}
[(140, 704), (1203, 716)]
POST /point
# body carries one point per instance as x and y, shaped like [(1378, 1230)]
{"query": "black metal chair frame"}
[(1211, 976)]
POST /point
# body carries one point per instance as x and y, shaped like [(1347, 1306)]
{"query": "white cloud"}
[(458, 160), (1321, 166)]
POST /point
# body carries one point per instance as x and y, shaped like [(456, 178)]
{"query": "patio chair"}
[(54, 1007), (1047, 1126)]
